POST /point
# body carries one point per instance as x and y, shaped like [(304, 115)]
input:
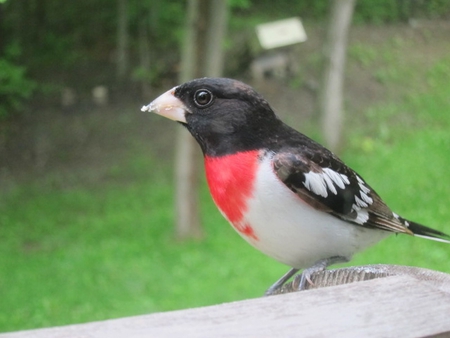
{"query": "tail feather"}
[(420, 230)]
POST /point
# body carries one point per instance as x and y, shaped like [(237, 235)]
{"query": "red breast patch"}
[(230, 179)]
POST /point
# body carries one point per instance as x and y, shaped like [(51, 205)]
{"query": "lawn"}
[(85, 253)]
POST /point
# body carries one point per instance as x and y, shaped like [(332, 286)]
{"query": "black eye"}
[(203, 98)]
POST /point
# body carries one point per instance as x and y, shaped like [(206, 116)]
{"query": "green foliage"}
[(377, 11), (383, 11), (436, 8), (141, 74), (15, 87), (366, 11), (420, 95), (67, 40), (364, 54), (74, 43), (243, 4)]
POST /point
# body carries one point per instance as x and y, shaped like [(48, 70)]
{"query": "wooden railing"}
[(386, 301)]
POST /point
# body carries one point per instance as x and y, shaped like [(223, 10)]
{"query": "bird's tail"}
[(420, 230)]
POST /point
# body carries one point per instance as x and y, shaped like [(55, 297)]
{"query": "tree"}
[(202, 55), (122, 61), (144, 52), (331, 97)]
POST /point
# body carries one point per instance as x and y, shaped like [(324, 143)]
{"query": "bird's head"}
[(220, 113)]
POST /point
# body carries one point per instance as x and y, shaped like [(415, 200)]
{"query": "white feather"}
[(315, 183), (321, 183), (433, 238), (339, 179), (360, 203), (329, 183), (366, 198), (362, 216)]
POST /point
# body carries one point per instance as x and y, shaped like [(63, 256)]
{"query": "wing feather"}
[(327, 184)]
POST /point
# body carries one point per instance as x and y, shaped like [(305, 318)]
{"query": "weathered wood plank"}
[(353, 274), (397, 306)]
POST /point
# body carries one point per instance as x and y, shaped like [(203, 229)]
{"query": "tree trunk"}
[(331, 97), (144, 55), (2, 33), (186, 166), (122, 40), (205, 31), (218, 15)]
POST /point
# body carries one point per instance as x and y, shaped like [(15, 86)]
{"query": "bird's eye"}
[(203, 98)]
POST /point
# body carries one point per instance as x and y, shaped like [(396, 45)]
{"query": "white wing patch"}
[(360, 203), (339, 179), (326, 182), (321, 183), (362, 216), (365, 200), (315, 183)]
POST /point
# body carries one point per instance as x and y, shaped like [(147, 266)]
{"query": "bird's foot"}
[(301, 280), (279, 283)]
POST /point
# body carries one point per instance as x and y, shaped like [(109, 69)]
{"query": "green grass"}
[(402, 150), (85, 253), (411, 177), (94, 253)]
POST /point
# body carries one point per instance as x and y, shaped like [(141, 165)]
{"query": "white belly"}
[(294, 233)]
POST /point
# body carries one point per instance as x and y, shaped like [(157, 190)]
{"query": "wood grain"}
[(393, 306)]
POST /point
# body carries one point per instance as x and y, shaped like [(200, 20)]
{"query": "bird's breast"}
[(231, 180), (274, 219)]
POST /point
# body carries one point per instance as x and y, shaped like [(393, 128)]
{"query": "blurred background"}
[(91, 225)]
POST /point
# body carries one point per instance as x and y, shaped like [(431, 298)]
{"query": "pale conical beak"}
[(167, 105)]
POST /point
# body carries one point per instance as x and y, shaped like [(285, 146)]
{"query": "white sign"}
[(281, 33)]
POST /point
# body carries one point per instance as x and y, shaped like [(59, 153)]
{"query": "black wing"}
[(327, 184)]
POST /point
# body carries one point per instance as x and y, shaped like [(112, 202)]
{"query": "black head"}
[(223, 115)]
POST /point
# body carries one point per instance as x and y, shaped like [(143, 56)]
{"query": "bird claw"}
[(279, 283), (301, 281)]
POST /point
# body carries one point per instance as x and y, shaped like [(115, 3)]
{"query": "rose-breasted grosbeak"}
[(285, 194)]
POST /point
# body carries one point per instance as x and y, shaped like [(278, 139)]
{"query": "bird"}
[(285, 194)]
